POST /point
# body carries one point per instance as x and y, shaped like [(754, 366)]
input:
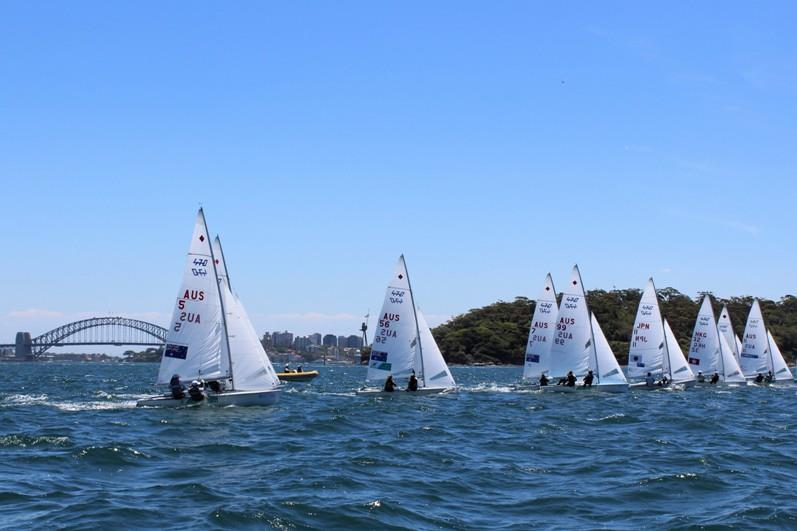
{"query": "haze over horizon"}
[(489, 144)]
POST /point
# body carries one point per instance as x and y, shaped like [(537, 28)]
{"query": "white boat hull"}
[(606, 388), (231, 398), (369, 391)]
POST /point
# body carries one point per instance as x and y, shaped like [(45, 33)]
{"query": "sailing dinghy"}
[(580, 346), (654, 349), (211, 337), (543, 322), (780, 371), (726, 328), (404, 344), (709, 351)]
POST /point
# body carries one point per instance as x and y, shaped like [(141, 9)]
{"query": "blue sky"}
[(490, 142)]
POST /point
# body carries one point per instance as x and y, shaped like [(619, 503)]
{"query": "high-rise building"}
[(302, 344), (343, 342), (282, 339), (315, 339), (330, 341), (354, 341), (267, 340)]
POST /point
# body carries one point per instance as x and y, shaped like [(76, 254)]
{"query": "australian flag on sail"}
[(176, 351), (694, 361), (533, 358), (638, 361), (378, 356)]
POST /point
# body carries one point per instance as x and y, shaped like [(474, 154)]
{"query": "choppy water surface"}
[(77, 453)]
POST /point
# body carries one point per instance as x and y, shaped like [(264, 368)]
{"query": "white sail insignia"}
[(572, 345), (541, 333), (755, 346), (674, 362), (726, 328), (779, 368), (646, 351), (194, 341), (251, 368)]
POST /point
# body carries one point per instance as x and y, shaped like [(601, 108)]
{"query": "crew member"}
[(390, 385), (196, 391), (588, 379), (571, 379), (543, 380), (649, 380), (759, 378), (177, 389), (412, 385), (715, 378), (700, 377)]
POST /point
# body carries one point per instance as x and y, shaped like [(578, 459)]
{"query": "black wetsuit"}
[(413, 384), (571, 381), (715, 378), (588, 380), (176, 388), (543, 380), (390, 386)]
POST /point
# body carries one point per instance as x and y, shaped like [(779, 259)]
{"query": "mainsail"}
[(393, 349), (194, 341), (251, 368), (755, 346), (704, 350), (779, 368), (731, 372), (646, 351), (543, 322), (572, 344), (726, 328)]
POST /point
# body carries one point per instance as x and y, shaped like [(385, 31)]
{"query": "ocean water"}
[(76, 453)]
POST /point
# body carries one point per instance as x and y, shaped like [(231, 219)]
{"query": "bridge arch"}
[(100, 331)]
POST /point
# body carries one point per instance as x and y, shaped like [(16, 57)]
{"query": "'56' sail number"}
[(397, 296)]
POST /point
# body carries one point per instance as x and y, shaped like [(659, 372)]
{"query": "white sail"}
[(434, 371), (738, 344), (731, 372), (543, 322), (646, 351), (675, 365), (779, 368), (704, 350), (755, 347), (194, 341), (607, 369), (726, 328), (251, 368), (572, 345), (393, 349)]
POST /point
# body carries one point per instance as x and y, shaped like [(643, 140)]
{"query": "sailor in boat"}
[(571, 379), (700, 377), (759, 378), (390, 385), (177, 388), (588, 379), (715, 378), (287, 368), (299, 369), (543, 380), (412, 385), (196, 391), (664, 381), (214, 386), (769, 378), (649, 380)]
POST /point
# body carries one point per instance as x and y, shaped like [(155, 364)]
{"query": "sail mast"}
[(719, 339), (591, 329), (417, 327), (221, 299), (663, 329)]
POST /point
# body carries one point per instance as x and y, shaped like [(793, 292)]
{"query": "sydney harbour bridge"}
[(116, 331)]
